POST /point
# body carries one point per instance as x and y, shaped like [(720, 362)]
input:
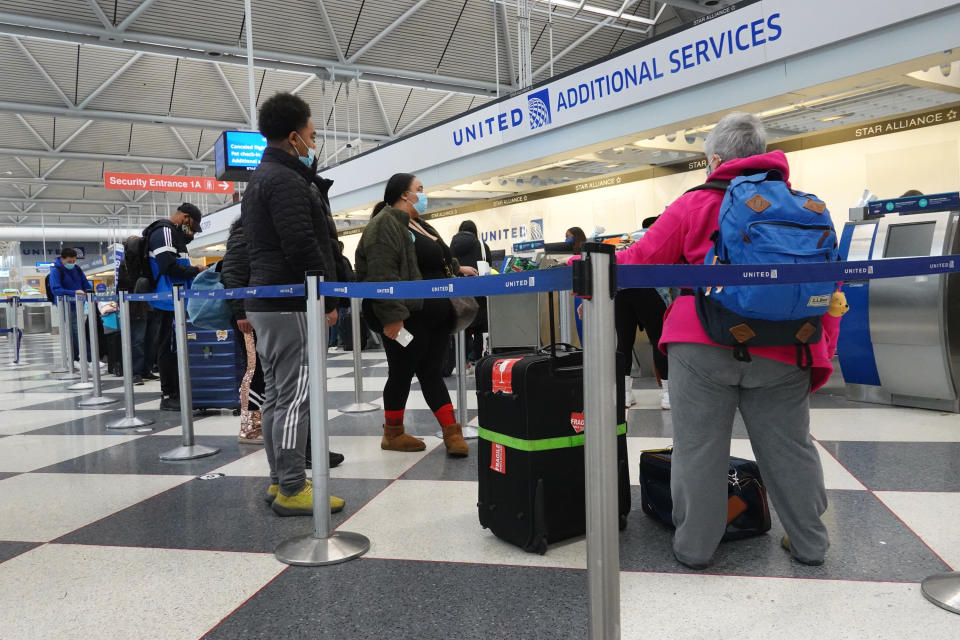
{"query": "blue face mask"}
[(568, 240), (311, 154), (68, 265), (421, 204)]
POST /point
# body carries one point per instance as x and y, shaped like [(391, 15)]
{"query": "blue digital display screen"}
[(244, 148)]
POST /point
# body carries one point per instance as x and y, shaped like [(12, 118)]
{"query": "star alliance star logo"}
[(952, 114)]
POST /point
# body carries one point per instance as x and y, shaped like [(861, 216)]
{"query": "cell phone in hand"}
[(404, 337)]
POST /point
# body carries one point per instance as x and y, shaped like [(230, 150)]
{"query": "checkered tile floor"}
[(99, 539)]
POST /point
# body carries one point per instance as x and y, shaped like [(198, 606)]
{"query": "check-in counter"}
[(900, 342)]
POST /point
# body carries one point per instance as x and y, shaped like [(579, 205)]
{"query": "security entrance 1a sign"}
[(153, 182)]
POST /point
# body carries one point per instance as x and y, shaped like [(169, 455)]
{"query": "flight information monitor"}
[(237, 154)]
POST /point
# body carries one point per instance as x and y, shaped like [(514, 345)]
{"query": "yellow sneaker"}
[(301, 504), (271, 493)]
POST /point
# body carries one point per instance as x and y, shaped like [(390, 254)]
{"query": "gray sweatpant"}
[(707, 385), (285, 414)]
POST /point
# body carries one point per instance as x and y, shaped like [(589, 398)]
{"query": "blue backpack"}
[(763, 221), (209, 313)]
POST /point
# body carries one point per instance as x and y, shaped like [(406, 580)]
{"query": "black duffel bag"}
[(748, 513)]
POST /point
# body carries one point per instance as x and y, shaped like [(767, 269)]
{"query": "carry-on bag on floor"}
[(748, 513), (531, 463), (217, 364)]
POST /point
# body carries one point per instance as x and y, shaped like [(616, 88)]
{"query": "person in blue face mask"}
[(68, 279)]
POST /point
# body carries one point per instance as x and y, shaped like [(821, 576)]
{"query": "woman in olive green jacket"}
[(398, 246)]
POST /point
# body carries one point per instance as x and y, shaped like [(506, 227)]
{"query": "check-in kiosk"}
[(900, 342)]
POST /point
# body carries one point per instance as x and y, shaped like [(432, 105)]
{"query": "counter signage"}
[(916, 204), (154, 182), (739, 37)]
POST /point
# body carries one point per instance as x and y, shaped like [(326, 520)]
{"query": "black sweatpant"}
[(167, 354), (643, 308), (423, 357)]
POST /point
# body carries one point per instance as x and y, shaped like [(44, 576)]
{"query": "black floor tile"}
[(369, 599), (867, 543), (97, 424), (419, 422), (143, 456), (74, 403), (4, 475), (437, 465), (225, 514), (11, 549), (901, 466)]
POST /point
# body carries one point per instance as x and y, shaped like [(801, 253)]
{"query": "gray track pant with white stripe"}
[(282, 347)]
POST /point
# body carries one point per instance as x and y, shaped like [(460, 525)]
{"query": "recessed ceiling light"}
[(837, 117), (612, 166)]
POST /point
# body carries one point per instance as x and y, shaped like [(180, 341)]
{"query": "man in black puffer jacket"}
[(289, 230)]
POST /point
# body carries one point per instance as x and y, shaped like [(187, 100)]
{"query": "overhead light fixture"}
[(613, 166), (610, 13), (836, 117)]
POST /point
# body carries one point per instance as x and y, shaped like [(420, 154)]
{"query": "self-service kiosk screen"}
[(907, 240)]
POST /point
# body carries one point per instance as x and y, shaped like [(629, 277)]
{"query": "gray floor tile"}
[(11, 549), (369, 599), (901, 466), (143, 456), (437, 465), (226, 514), (97, 424), (7, 474), (867, 543), (72, 403)]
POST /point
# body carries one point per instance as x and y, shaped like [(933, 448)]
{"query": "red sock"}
[(394, 418), (445, 415)]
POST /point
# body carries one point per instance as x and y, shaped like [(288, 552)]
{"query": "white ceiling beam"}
[(383, 112), (183, 143), (436, 105), (45, 201), (330, 31), (56, 165), (117, 116), (303, 85), (73, 136), (511, 64), (101, 157), (232, 91), (63, 182), (143, 6), (43, 72), (28, 168), (63, 31), (101, 16), (106, 83), (35, 133), (386, 31)]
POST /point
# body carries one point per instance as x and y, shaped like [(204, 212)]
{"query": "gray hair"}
[(737, 135)]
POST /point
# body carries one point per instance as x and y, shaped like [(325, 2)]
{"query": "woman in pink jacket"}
[(708, 385)]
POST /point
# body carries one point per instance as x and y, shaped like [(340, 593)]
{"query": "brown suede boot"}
[(394, 439), (454, 442)]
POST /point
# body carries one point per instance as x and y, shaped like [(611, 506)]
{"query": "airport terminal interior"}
[(528, 118)]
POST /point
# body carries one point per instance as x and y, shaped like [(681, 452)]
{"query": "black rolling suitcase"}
[(531, 463)]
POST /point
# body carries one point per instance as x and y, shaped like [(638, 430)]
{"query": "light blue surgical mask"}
[(311, 154), (421, 204), (69, 265)]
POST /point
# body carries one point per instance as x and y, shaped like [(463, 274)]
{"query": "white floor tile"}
[(891, 424), (646, 399), (84, 592), (336, 372), (13, 400), (417, 401), (42, 506), (27, 452), (428, 520), (935, 517), (692, 606), (347, 384), (17, 421), (14, 385)]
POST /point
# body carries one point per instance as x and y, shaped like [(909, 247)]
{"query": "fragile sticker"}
[(503, 374), (498, 457), (577, 421)]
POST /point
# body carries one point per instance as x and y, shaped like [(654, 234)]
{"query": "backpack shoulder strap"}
[(714, 185)]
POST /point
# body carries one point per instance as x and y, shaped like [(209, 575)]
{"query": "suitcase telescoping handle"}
[(553, 327)]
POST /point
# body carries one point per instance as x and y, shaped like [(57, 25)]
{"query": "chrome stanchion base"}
[(469, 432), (311, 551), (943, 590), (17, 365), (97, 401), (189, 453), (58, 370), (80, 386), (358, 407), (129, 423)]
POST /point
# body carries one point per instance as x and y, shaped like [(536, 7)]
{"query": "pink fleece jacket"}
[(682, 236)]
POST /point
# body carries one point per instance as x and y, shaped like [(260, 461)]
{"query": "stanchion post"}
[(64, 306), (15, 333), (188, 450), (358, 405), (322, 547), (595, 279), (60, 367), (565, 310), (93, 325), (130, 420), (84, 383)]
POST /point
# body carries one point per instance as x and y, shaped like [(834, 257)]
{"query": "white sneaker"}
[(664, 396), (628, 386)]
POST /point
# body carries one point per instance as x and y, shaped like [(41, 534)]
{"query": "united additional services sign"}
[(154, 182), (739, 37)]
